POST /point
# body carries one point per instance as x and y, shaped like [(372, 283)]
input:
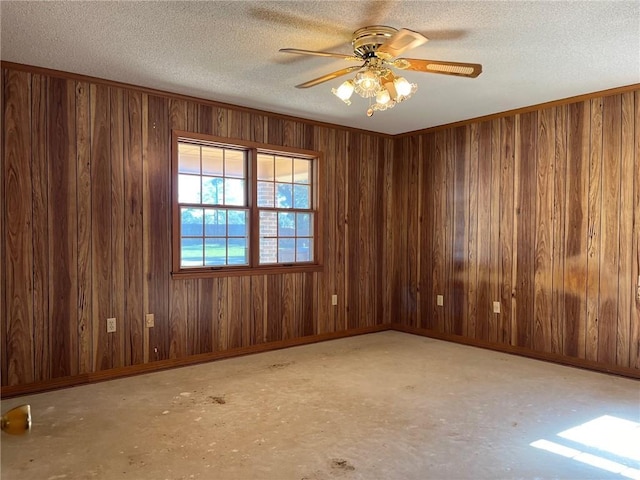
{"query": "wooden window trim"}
[(254, 268)]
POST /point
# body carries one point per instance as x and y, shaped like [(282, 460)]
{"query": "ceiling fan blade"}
[(319, 54), (400, 42), (470, 70), (329, 76)]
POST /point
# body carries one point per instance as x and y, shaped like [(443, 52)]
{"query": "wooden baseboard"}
[(523, 352), (87, 378), (111, 374)]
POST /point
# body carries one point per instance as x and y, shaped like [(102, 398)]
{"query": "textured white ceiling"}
[(531, 52)]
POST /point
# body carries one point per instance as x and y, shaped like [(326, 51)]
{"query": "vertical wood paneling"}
[(3, 299), (634, 353), (594, 231), (484, 232), (557, 243), (459, 283), (157, 256), (610, 229), (410, 311), (287, 306), (84, 186), (439, 217), (201, 338), (101, 257), (352, 253), (625, 263), (526, 210), (325, 142), (507, 178), (86, 223), (340, 193), (550, 231), (473, 240), (19, 236), (41, 264), (388, 266), (274, 308), (543, 262), (63, 228), (133, 221), (399, 236), (179, 307), (258, 312), (495, 227), (234, 312), (117, 341), (577, 230)]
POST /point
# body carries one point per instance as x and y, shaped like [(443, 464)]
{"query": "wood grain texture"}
[(85, 227), (506, 248), (543, 263), (86, 232), (634, 342), (3, 311), (594, 230), (551, 230), (41, 262), (576, 230), (101, 252), (63, 227), (133, 221), (18, 263)]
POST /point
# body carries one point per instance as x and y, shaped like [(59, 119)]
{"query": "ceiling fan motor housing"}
[(366, 40)]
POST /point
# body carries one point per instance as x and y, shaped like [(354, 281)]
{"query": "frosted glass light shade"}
[(344, 91)]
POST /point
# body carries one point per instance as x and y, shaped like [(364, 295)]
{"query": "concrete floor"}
[(381, 406)]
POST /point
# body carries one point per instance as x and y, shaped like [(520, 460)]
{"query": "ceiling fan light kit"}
[(379, 46)]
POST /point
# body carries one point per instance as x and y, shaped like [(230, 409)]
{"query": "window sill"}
[(244, 271)]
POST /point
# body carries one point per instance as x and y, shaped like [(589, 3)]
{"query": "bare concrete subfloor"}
[(382, 406)]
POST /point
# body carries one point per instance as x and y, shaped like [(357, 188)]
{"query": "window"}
[(240, 207)]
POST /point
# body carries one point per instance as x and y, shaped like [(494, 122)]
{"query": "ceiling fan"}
[(379, 47)]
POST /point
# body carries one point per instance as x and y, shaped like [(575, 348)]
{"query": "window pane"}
[(190, 222), (303, 224), (286, 224), (265, 167), (268, 250), (215, 223), (301, 171), (188, 189), (191, 252), (234, 163), (286, 250), (216, 251), (283, 197), (238, 223), (284, 169), (301, 196), (237, 251), (265, 194), (268, 224), (304, 249), (188, 158), (234, 191), (212, 161), (212, 190)]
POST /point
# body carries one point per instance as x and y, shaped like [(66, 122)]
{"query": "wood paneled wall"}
[(85, 188), (539, 211)]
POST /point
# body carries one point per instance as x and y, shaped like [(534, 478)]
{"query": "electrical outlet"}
[(111, 325), (496, 307), (334, 299), (440, 300), (149, 320)]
